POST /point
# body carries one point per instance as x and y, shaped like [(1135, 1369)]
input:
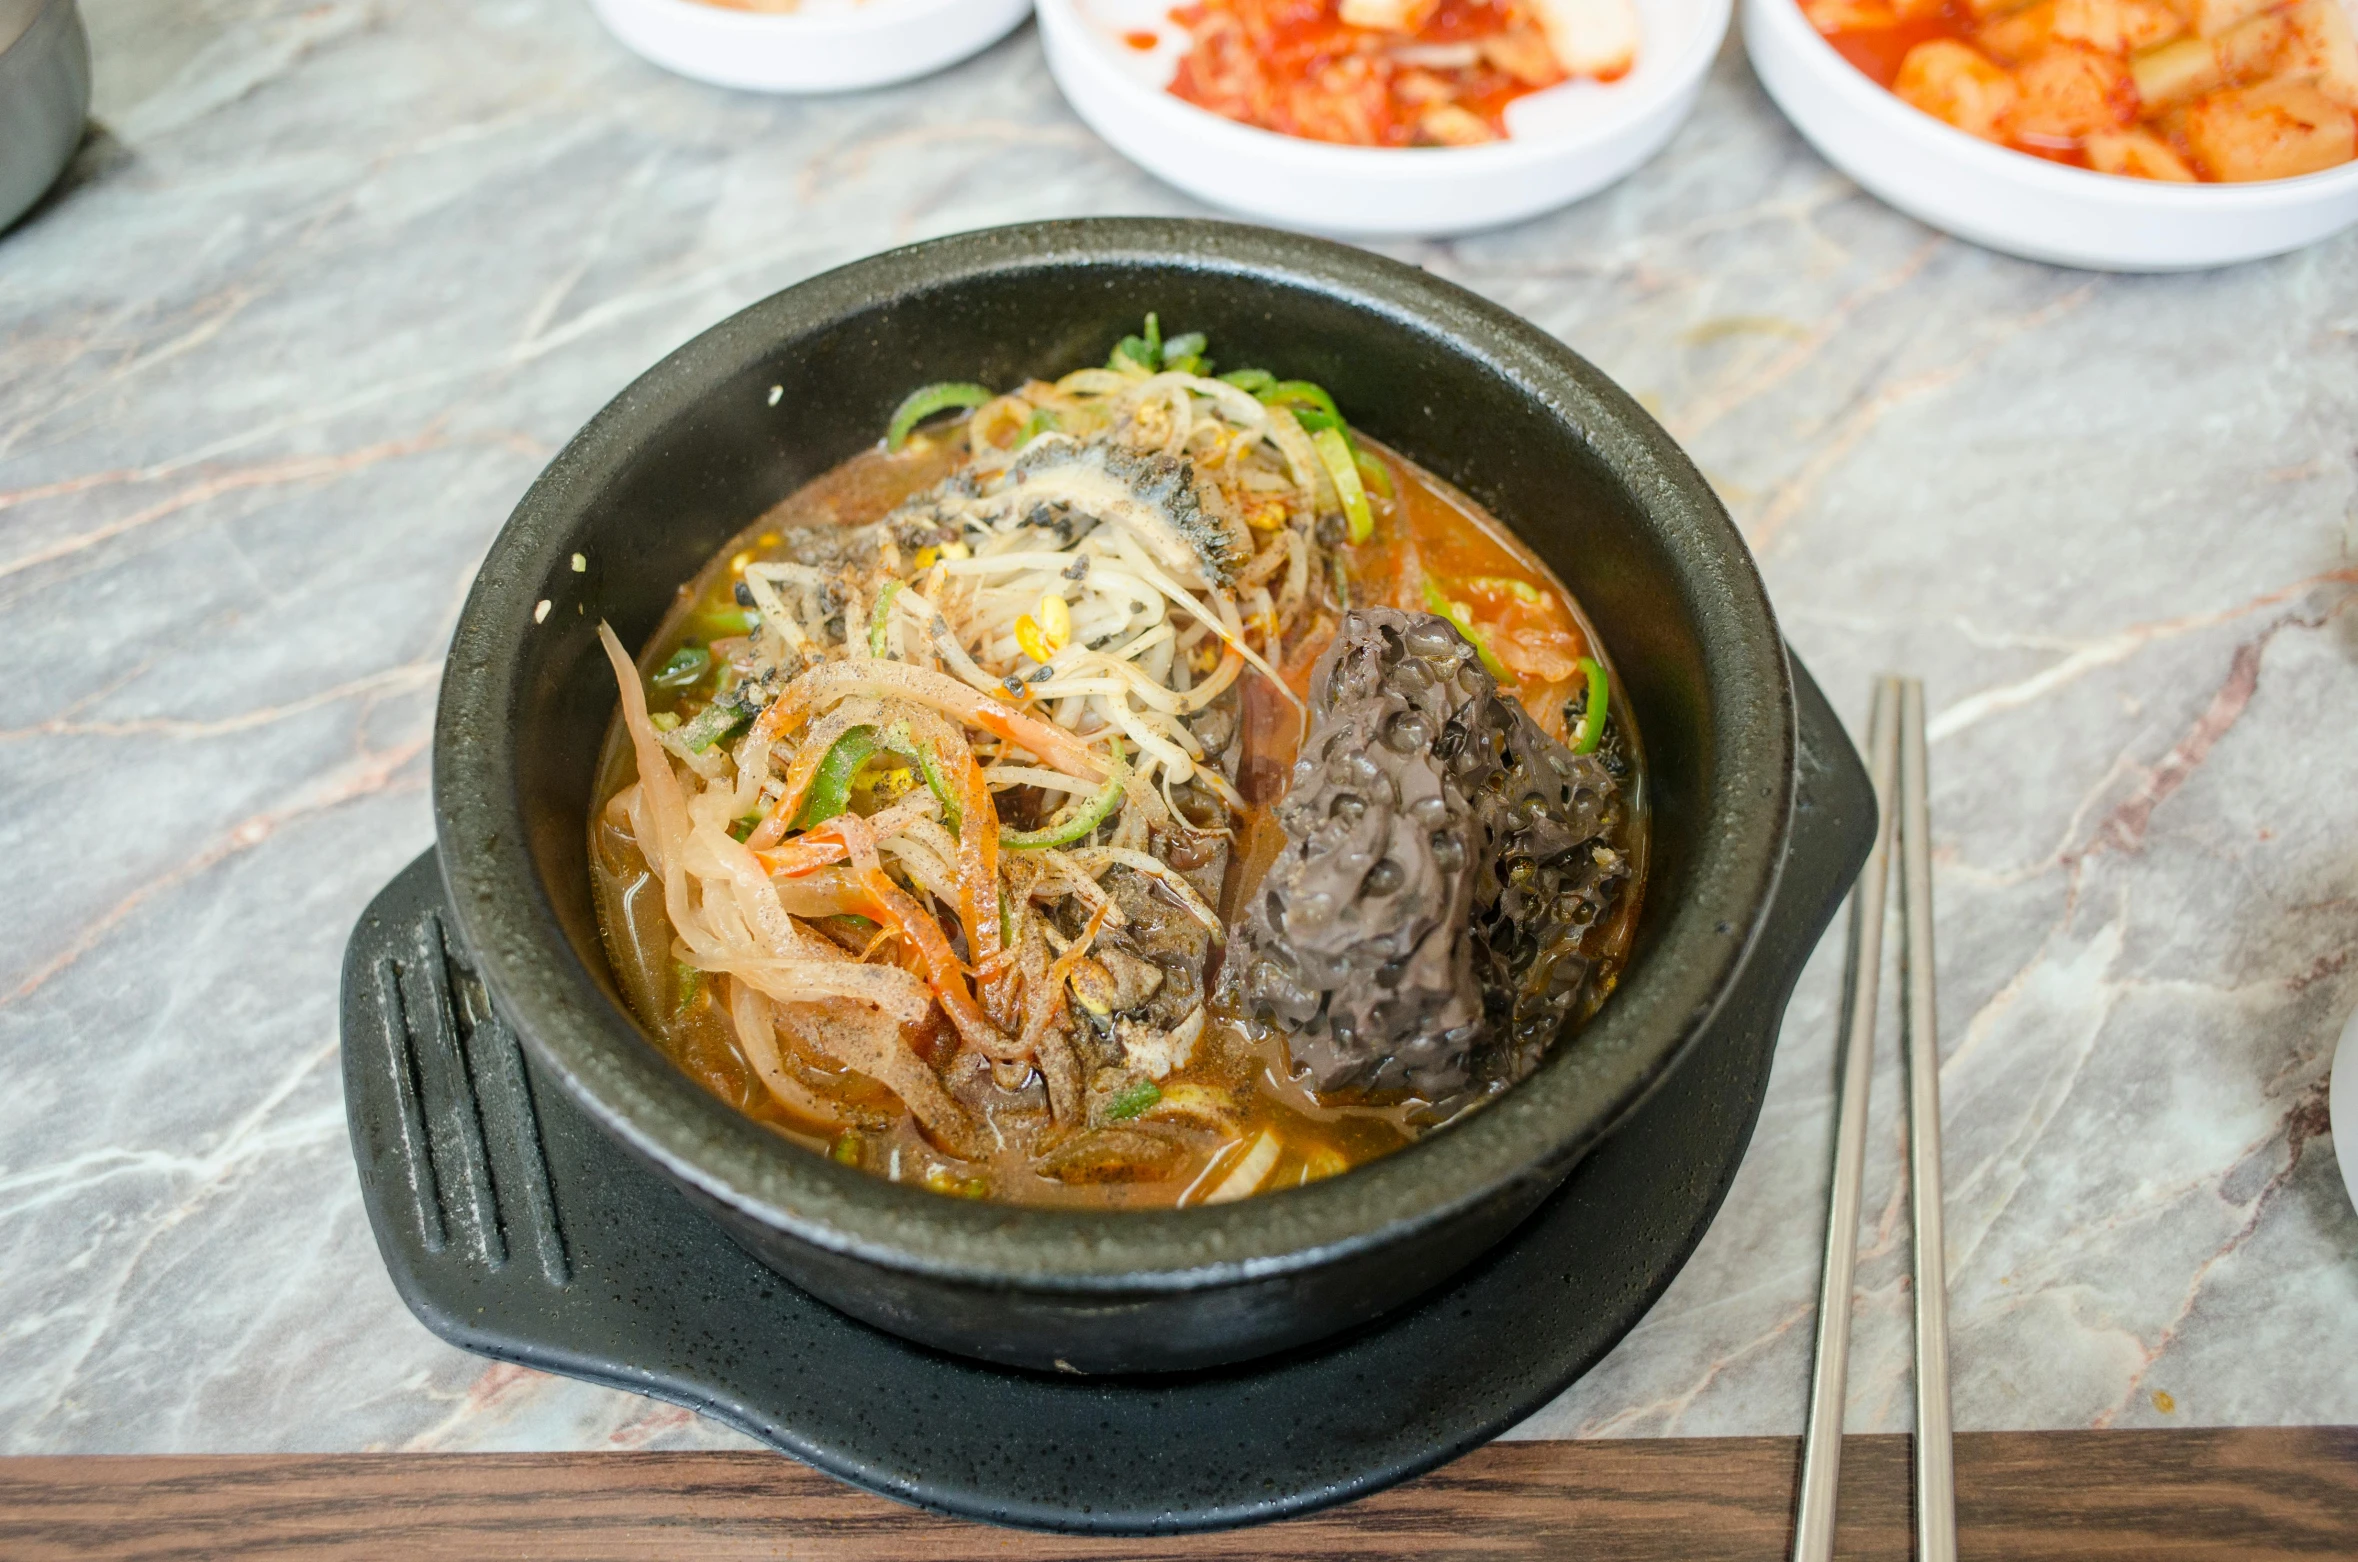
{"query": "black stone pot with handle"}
[(777, 394)]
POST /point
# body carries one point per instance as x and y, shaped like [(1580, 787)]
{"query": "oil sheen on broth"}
[(985, 824)]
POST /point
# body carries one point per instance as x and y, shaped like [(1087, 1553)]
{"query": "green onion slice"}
[(1146, 352), (1592, 717), (925, 401), (685, 670), (711, 724), (1372, 472), (1185, 352), (1133, 1100), (881, 619), (1336, 456)]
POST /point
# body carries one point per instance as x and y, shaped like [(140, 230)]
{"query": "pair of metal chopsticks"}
[(1895, 740)]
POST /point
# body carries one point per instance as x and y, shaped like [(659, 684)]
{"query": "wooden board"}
[(2245, 1494)]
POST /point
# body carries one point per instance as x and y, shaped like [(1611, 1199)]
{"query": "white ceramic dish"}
[(827, 46), (1563, 143), (2021, 204)]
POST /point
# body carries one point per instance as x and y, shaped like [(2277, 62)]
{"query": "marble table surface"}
[(334, 278)]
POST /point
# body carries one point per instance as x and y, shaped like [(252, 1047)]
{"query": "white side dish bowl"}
[(2017, 203), (826, 46), (1562, 143)]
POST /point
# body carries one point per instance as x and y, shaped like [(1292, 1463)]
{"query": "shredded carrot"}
[(978, 877), (1049, 1011), (1009, 725), (823, 844), (806, 853), (799, 775), (895, 910)]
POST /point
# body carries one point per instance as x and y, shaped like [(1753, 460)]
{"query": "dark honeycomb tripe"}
[(1418, 936)]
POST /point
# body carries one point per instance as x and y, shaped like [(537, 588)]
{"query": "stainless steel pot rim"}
[(1534, 1131)]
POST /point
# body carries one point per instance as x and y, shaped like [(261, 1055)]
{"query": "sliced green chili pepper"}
[(925, 401), (830, 789), (939, 785), (1336, 456), (1372, 472), (685, 670), (1085, 819), (1300, 394), (881, 619), (741, 828), (1253, 380), (1132, 1101), (1592, 715), (898, 740), (1463, 616)]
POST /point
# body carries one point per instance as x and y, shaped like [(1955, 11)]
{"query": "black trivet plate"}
[(515, 1229)]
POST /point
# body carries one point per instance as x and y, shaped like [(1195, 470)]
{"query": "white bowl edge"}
[(883, 42), (2019, 204), (1366, 192)]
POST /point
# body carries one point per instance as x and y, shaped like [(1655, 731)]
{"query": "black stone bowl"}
[(770, 398)]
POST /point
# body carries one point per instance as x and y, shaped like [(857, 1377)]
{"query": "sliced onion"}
[(1250, 1172)]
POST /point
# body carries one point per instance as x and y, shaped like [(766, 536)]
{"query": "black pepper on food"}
[(1419, 934)]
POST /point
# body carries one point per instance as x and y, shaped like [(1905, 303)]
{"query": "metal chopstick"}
[(1936, 1475), (1821, 1445)]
